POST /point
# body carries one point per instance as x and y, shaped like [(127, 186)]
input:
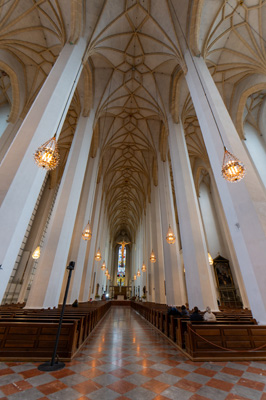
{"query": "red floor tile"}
[(198, 397), (62, 373), (232, 396), (160, 397), (232, 371), (178, 372), (30, 373), (9, 389), (155, 386), (121, 386), (257, 371), (121, 373), (188, 385), (6, 371), (222, 385), (251, 384), (151, 373), (146, 363), (51, 387), (171, 363), (205, 372), (92, 373), (87, 387)]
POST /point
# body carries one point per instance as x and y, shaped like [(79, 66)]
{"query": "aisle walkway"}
[(126, 358)]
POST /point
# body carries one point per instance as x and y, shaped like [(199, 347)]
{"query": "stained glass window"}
[(121, 268)]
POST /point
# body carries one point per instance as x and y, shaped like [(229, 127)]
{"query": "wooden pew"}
[(247, 341), (35, 340)]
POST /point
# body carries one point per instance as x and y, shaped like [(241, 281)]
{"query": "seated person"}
[(184, 311), (172, 310), (196, 316), (209, 316)]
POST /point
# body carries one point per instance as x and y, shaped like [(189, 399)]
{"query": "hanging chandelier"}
[(152, 257), (47, 156), (87, 233), (138, 273), (135, 277), (109, 277), (106, 272), (103, 266), (98, 255), (170, 237), (233, 170), (210, 259), (36, 254), (143, 268)]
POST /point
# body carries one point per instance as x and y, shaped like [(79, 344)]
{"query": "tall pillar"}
[(172, 281), (79, 246), (47, 283), (200, 286), (244, 203), (21, 180), (87, 278), (157, 243)]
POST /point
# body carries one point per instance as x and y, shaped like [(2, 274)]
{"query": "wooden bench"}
[(35, 340), (244, 340)]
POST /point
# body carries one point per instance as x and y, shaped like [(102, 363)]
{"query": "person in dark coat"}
[(184, 311), (196, 316)]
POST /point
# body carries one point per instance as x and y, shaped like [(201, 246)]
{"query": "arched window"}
[(121, 267)]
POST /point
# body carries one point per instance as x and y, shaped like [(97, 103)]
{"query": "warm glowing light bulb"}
[(170, 237), (37, 252)]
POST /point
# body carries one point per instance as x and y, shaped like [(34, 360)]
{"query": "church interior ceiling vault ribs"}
[(135, 84)]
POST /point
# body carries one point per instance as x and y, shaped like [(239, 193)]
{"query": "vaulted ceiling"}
[(135, 58)]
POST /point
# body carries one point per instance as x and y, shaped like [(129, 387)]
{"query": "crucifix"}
[(123, 244)]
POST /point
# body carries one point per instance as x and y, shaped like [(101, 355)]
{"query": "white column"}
[(158, 267), (87, 278), (79, 246), (47, 283), (200, 286), (21, 180), (244, 203), (170, 251)]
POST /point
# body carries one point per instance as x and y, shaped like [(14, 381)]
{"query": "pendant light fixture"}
[(98, 255), (36, 254), (103, 266), (232, 170), (152, 257), (170, 237), (143, 268), (87, 233), (109, 277), (47, 155), (106, 272), (135, 277), (138, 273)]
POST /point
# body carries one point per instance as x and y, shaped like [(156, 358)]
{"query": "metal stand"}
[(52, 365)]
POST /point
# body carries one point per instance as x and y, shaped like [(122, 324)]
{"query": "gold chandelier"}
[(109, 277), (135, 277), (232, 170), (210, 259), (143, 268), (98, 255), (87, 233), (36, 254), (170, 237), (103, 266), (138, 273), (152, 257), (47, 156), (106, 272)]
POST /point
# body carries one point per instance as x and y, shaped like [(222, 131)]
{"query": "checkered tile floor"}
[(126, 359)]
